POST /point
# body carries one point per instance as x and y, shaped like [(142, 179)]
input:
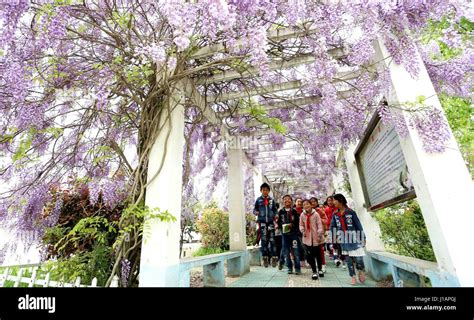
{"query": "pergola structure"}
[(160, 252), (282, 95)]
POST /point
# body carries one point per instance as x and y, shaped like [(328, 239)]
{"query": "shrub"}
[(81, 225), (203, 251), (251, 229), (87, 265), (404, 231), (80, 243), (214, 228)]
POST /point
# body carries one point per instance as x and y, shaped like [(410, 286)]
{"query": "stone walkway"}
[(272, 277)]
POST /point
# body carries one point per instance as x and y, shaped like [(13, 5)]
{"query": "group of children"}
[(302, 232)]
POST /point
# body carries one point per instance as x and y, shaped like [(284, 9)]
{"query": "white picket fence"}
[(46, 282)]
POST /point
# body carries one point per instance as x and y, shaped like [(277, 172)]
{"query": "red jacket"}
[(329, 212), (324, 218)]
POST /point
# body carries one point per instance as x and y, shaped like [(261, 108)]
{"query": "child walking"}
[(313, 236), (334, 250), (266, 212), (324, 220), (299, 210), (288, 221), (348, 232)]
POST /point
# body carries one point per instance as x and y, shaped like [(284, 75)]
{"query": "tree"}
[(460, 114), (84, 83), (448, 39), (188, 223), (404, 231)]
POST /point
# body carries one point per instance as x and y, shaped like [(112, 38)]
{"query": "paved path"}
[(272, 277)]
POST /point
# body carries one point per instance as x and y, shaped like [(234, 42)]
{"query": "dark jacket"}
[(265, 213), (292, 217)]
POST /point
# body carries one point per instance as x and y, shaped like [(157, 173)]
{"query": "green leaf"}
[(55, 132), (98, 65), (7, 138), (118, 60), (24, 146), (260, 114), (420, 99), (122, 20), (82, 28), (466, 24)]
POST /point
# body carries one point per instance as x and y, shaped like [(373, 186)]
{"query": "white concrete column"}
[(337, 177), (442, 182), (257, 181), (337, 180), (159, 266), (237, 231), (370, 225)]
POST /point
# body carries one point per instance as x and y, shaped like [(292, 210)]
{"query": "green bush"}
[(87, 265), (81, 226), (13, 271), (206, 251), (251, 229), (404, 231), (459, 113), (214, 228), (80, 244)]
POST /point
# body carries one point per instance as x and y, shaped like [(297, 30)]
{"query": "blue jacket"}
[(265, 213), (353, 237)]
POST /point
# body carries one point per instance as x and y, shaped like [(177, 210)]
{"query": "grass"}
[(27, 273), (40, 275), (14, 271)]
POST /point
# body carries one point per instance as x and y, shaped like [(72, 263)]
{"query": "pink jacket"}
[(315, 236)]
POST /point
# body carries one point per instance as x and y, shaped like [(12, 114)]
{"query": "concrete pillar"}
[(236, 267), (237, 232), (337, 181), (159, 265), (442, 182), (214, 274), (337, 176), (255, 256), (185, 279), (370, 225), (257, 181)]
